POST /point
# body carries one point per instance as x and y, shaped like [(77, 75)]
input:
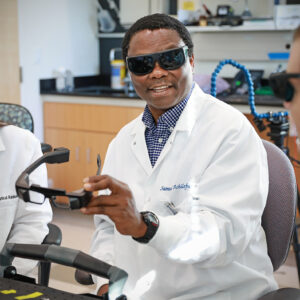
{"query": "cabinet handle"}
[(77, 153), (88, 155)]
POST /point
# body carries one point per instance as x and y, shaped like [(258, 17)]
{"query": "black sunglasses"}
[(281, 86), (168, 60), (59, 197)]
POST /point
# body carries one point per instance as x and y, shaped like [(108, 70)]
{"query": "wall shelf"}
[(248, 26)]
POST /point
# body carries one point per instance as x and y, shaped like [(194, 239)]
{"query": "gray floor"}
[(77, 231)]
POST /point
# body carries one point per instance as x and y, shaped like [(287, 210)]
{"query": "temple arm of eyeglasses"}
[(58, 155)]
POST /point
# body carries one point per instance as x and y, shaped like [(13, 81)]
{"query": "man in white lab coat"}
[(186, 183), (21, 222)]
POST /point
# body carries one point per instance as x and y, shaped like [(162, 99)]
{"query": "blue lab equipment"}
[(278, 122)]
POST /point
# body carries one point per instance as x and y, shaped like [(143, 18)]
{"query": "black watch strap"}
[(152, 222)]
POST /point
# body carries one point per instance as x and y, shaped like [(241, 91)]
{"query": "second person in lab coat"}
[(21, 222)]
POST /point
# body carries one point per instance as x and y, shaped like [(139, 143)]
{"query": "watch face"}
[(152, 218), (152, 223)]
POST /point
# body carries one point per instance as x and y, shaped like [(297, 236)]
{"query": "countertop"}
[(94, 91), (113, 94), (88, 91)]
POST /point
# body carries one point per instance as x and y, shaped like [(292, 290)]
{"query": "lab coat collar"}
[(190, 114), (2, 146), (188, 117), (185, 122), (139, 147)]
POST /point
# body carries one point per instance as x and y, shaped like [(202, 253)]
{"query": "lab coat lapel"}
[(166, 149), (2, 147), (184, 124), (139, 147)]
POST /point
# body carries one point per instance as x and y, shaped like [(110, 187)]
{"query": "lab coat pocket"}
[(178, 201), (8, 209), (6, 202)]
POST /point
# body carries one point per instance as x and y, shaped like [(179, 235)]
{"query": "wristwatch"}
[(152, 223)]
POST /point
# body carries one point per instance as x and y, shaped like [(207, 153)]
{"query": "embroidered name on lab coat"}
[(8, 197), (181, 186)]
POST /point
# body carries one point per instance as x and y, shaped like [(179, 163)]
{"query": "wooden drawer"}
[(88, 117)]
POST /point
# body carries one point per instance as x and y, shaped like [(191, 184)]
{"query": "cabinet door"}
[(9, 52), (95, 143), (67, 175), (84, 147), (85, 130)]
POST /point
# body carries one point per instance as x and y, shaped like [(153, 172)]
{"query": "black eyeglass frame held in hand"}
[(77, 199), (281, 86), (171, 59)]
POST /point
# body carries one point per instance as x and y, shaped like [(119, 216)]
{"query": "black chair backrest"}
[(15, 114), (278, 219)]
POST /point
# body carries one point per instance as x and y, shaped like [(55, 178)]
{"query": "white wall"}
[(250, 48), (53, 34)]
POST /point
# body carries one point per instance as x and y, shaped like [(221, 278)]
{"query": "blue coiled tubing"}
[(268, 115)]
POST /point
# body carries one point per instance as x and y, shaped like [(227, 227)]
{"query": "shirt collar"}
[(188, 117), (170, 117), (147, 118)]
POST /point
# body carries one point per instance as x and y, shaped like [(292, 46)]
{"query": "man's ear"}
[(191, 59)]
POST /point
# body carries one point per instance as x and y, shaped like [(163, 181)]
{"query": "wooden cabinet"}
[(9, 52), (86, 130)]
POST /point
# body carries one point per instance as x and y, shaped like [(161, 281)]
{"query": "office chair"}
[(18, 115), (278, 219), (296, 243), (54, 237)]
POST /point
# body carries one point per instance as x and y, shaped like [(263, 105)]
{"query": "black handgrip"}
[(68, 257), (35, 252), (54, 236), (83, 277)]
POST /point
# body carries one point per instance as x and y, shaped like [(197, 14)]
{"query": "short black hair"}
[(153, 22)]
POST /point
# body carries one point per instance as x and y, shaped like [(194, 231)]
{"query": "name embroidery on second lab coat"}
[(8, 197)]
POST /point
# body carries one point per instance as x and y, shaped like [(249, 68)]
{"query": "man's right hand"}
[(119, 206)]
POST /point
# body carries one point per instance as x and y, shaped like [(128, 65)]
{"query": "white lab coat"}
[(21, 222), (213, 169)]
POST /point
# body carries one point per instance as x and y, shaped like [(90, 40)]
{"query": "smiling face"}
[(161, 89)]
